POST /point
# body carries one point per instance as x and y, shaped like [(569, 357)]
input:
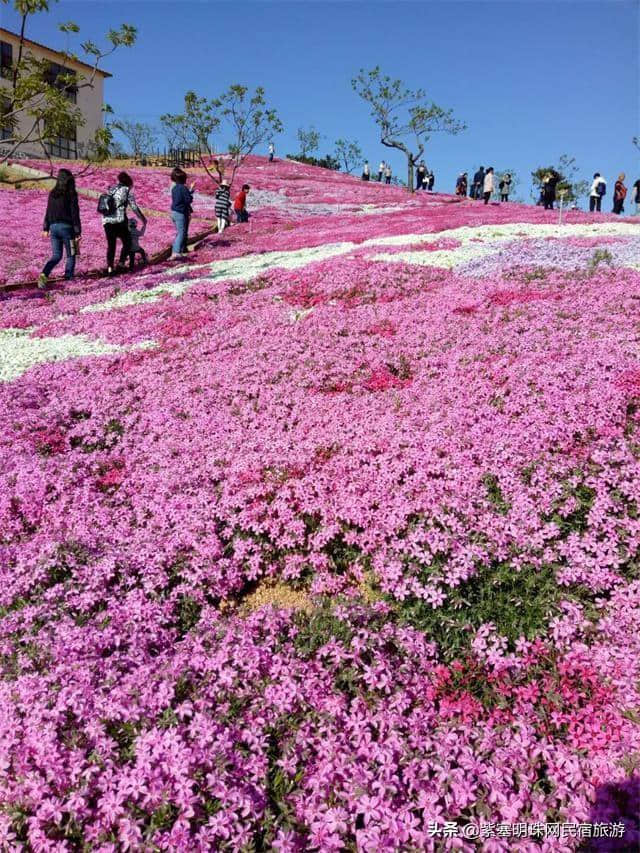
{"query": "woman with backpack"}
[(113, 206), (598, 189), (62, 225), (619, 195)]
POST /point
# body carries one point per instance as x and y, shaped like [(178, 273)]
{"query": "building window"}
[(6, 59), (54, 72), (5, 129), (61, 146)]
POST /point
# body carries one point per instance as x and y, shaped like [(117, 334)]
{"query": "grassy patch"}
[(517, 603)]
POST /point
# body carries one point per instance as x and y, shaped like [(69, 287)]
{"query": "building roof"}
[(30, 42)]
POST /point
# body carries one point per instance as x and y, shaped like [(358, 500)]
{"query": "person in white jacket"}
[(598, 189), (487, 187)]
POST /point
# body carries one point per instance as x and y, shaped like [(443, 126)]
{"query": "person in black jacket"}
[(549, 184), (62, 225), (181, 199), (478, 183)]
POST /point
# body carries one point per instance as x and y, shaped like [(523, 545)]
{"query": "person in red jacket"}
[(619, 195), (240, 204)]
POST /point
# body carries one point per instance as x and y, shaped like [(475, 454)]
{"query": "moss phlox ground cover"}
[(426, 421)]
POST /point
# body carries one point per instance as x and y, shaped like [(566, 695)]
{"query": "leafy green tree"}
[(405, 118), (40, 105), (309, 140), (349, 154), (142, 138), (245, 116), (568, 186)]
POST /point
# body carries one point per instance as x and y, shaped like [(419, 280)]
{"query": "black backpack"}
[(107, 204)]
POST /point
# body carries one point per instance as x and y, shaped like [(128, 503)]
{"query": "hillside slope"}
[(408, 425)]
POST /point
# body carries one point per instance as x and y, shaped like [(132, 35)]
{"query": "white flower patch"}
[(233, 269), (509, 231), (476, 242), (373, 209), (299, 314), (482, 241), (19, 351)]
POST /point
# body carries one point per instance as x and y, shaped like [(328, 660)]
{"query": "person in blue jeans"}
[(62, 225), (181, 200)]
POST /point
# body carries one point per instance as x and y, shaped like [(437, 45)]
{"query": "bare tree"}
[(141, 137), (246, 117), (405, 118), (349, 154)]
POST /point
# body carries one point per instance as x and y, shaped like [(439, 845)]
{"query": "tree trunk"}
[(410, 175)]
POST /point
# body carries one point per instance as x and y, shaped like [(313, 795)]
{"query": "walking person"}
[(223, 205), (240, 204), (487, 185), (181, 201), (62, 226), (381, 169), (598, 189), (115, 223), (272, 151), (366, 173), (387, 174), (421, 175), (431, 181), (478, 182), (505, 187), (619, 195)]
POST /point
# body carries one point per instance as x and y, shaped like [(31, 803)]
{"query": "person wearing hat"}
[(223, 205)]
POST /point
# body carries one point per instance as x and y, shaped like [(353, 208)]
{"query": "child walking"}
[(223, 205), (135, 248)]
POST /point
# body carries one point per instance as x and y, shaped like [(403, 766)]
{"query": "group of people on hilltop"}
[(599, 189), (63, 227), (483, 185), (424, 178)]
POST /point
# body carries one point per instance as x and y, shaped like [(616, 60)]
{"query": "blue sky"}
[(532, 80)]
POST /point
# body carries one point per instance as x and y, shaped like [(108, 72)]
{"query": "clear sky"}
[(532, 80)]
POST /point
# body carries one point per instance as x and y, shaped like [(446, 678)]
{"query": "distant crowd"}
[(484, 185)]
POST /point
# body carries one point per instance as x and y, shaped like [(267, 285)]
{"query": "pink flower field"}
[(327, 539)]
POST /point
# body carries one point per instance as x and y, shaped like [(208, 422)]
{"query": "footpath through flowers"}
[(327, 538)]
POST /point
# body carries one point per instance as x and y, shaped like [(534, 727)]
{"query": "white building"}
[(89, 99)]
